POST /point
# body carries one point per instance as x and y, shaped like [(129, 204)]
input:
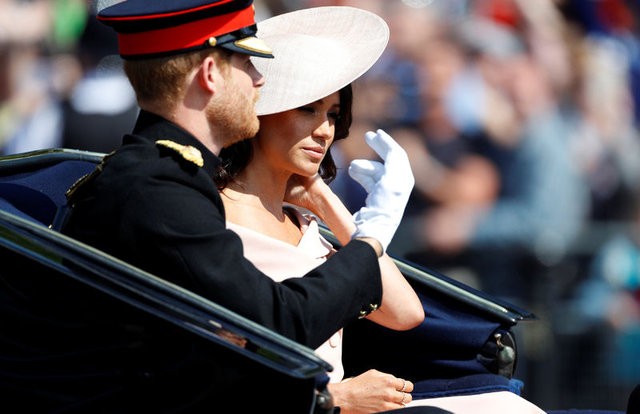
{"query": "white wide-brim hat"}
[(317, 51)]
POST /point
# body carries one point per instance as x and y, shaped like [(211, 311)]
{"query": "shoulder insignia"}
[(189, 153)]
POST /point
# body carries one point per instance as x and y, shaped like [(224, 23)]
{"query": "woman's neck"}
[(256, 199), (259, 187)]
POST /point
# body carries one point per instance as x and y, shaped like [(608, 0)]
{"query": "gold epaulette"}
[(187, 152)]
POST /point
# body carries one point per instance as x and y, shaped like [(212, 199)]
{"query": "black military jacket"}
[(153, 205)]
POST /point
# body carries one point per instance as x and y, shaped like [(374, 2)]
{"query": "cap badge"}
[(189, 153)]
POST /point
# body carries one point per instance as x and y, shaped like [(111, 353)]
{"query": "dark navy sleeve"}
[(181, 231)]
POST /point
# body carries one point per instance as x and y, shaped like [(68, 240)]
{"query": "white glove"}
[(388, 186)]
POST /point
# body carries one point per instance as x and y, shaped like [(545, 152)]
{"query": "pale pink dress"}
[(281, 260)]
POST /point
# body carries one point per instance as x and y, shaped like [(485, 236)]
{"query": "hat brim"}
[(317, 51)]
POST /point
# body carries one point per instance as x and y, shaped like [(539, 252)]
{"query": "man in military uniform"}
[(153, 203)]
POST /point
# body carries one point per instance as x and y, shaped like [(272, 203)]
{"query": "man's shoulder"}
[(161, 157), (142, 183), (139, 169)]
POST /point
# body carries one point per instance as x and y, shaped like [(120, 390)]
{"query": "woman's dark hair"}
[(236, 157)]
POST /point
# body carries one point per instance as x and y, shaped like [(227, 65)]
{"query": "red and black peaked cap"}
[(155, 28)]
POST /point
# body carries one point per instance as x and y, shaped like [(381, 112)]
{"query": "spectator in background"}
[(541, 206), (59, 90), (29, 113), (603, 313), (604, 137), (102, 106), (615, 21)]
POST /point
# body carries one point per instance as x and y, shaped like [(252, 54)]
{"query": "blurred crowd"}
[(522, 122), (61, 81), (521, 119)]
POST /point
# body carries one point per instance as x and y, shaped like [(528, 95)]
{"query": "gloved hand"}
[(388, 186)]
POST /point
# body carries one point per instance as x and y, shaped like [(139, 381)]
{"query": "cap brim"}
[(317, 51), (250, 46)]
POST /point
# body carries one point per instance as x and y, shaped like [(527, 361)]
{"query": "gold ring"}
[(404, 394), (404, 385)]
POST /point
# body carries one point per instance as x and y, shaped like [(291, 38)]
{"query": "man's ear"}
[(207, 74)]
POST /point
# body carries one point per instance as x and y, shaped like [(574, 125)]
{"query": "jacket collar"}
[(154, 127)]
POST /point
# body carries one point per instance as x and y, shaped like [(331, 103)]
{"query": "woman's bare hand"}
[(306, 192), (371, 392)]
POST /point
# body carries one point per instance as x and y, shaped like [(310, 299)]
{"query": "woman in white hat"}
[(304, 107), (299, 125)]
